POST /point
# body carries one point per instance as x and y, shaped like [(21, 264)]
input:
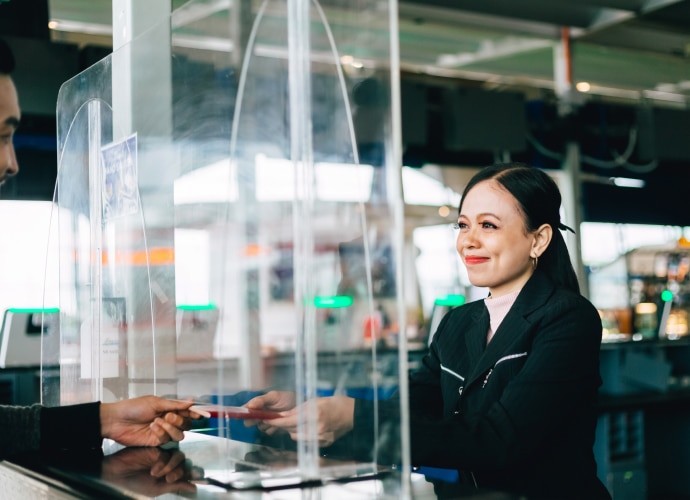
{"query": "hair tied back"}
[(563, 227)]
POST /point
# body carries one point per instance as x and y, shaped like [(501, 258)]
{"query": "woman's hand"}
[(146, 420), (274, 401), (334, 416)]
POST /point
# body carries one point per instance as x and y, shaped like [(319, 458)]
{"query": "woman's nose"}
[(468, 237), (465, 240)]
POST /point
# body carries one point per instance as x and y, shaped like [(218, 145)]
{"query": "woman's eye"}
[(488, 225), (459, 225)]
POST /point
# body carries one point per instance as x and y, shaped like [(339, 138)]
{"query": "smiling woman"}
[(507, 393), (496, 248)]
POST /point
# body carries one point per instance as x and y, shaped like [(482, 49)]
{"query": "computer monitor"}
[(21, 335), (442, 305), (196, 332)]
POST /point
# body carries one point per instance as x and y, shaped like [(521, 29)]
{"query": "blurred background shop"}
[(597, 93)]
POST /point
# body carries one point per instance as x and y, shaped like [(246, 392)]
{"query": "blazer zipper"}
[(455, 374), (504, 358)]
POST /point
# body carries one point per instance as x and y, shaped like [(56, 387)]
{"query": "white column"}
[(142, 91), (571, 180), (131, 19)]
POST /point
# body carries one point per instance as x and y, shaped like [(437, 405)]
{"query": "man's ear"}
[(542, 238)]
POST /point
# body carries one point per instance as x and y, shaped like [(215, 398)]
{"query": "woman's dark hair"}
[(540, 202), (6, 58)]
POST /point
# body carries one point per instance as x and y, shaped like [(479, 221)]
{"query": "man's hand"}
[(150, 471), (146, 420)]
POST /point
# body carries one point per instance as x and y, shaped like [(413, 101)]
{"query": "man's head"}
[(10, 114)]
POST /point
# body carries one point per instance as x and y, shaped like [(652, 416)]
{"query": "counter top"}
[(203, 467)]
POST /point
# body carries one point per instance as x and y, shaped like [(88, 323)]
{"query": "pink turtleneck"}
[(498, 308)]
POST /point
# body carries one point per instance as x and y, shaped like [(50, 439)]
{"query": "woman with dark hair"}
[(539, 200), (507, 393)]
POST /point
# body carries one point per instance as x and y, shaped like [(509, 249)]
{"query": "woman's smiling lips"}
[(473, 259)]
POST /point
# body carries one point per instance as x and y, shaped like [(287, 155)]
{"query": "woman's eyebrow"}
[(485, 214)]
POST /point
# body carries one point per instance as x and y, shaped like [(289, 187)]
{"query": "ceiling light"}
[(615, 181), (79, 27), (583, 86), (628, 182)]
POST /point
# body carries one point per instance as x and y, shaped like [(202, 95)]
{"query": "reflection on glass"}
[(242, 235)]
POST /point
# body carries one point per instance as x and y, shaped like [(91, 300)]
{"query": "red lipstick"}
[(471, 259)]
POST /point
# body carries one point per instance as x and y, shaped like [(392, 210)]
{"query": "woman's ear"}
[(542, 238)]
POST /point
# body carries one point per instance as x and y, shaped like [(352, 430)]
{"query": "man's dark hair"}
[(6, 58)]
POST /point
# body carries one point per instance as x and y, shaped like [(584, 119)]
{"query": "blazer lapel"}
[(476, 340), (533, 295)]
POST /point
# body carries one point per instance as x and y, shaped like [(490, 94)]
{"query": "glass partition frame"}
[(229, 219)]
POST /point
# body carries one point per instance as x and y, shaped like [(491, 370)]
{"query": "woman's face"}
[(493, 241)]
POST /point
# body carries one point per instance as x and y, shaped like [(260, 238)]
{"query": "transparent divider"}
[(229, 222)]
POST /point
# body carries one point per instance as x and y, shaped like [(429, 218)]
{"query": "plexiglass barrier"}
[(229, 217)]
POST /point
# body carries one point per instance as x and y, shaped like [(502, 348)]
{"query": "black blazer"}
[(518, 414)]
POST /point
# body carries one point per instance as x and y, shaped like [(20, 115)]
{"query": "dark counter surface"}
[(205, 467)]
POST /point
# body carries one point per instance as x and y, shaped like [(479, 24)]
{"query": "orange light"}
[(254, 250), (154, 257)]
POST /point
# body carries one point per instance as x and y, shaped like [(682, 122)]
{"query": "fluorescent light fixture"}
[(275, 181), (342, 182), (615, 181), (422, 189), (203, 43), (215, 183), (79, 27), (628, 182)]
